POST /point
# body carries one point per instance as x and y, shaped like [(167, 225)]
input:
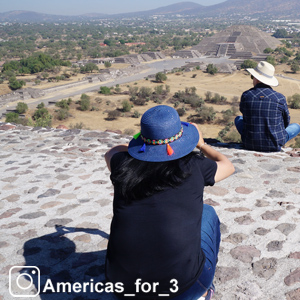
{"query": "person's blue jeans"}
[(292, 130), (210, 242)]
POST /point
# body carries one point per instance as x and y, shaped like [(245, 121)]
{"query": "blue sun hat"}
[(163, 136)]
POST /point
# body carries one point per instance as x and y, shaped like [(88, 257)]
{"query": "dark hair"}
[(135, 179)]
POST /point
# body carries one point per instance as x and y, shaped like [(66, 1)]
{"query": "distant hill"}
[(254, 7), (266, 8)]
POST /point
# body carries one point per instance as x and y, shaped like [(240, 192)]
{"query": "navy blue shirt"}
[(265, 116), (158, 238)]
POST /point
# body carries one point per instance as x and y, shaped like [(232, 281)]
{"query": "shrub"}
[(160, 77), (139, 101), (136, 114), (211, 69), (46, 121), (41, 105), (248, 63), (128, 131), (11, 117), (133, 91), (145, 92), (62, 114), (208, 96), (21, 107), (159, 89), (113, 114), (77, 126), (294, 101), (206, 113), (227, 114), (297, 143), (126, 106), (40, 113), (181, 111), (84, 102), (233, 136), (105, 90), (63, 104)]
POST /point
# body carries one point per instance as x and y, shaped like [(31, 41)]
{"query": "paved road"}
[(155, 67)]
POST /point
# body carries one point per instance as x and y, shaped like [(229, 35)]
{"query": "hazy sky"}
[(77, 7)]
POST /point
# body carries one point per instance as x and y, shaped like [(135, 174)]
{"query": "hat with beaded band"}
[(163, 136)]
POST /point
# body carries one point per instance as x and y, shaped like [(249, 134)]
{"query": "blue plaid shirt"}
[(265, 116)]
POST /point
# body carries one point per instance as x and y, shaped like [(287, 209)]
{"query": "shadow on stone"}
[(65, 273)]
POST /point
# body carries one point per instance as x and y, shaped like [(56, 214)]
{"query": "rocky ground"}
[(56, 208)]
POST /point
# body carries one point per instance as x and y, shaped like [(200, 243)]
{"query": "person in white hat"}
[(265, 124)]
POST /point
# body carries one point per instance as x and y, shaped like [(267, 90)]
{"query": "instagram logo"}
[(24, 283)]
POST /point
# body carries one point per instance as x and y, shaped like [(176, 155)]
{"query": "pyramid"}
[(237, 42)]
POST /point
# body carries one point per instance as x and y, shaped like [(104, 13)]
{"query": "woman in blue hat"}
[(164, 241)]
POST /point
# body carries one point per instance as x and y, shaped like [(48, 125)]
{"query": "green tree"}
[(62, 104), (294, 101), (21, 107), (126, 106), (268, 50), (211, 69), (160, 77), (295, 68), (248, 63), (105, 90), (15, 84), (107, 64), (84, 102), (271, 60), (11, 117)]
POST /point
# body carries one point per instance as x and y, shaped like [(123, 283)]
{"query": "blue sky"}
[(77, 7)]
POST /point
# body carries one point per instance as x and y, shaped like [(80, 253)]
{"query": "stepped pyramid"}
[(238, 42)]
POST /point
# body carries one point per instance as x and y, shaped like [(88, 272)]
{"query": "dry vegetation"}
[(226, 85)]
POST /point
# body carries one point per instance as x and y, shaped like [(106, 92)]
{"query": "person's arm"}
[(110, 153), (224, 166)]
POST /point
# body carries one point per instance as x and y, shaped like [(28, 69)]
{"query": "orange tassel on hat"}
[(170, 151)]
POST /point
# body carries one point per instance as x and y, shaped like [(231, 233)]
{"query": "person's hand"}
[(201, 140)]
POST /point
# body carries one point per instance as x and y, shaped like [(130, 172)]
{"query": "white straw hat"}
[(264, 72)]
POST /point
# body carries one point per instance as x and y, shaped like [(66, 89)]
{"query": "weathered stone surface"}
[(235, 238), (286, 228), (33, 215), (65, 209), (10, 212), (32, 190), (59, 222), (237, 209), (276, 194), (86, 238), (49, 193), (216, 190), (262, 203), (275, 245), (211, 202), (262, 231), (293, 295), (265, 268), (291, 180), (295, 255), (50, 204), (12, 198), (293, 278), (294, 169), (243, 190), (224, 274), (244, 220), (245, 253), (273, 215)]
